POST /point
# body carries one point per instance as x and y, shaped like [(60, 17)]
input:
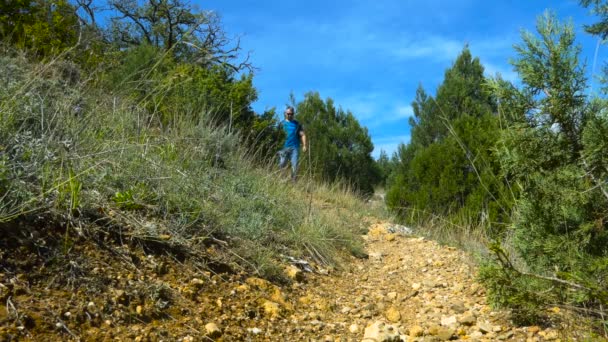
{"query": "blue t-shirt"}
[(292, 130)]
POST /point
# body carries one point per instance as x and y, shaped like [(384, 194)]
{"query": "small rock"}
[(375, 256), (254, 331), (458, 307), (467, 320), (549, 335), (416, 331), (91, 306), (506, 336), (323, 305), (197, 282), (476, 335), (392, 295), (393, 315), (367, 314), (474, 289), (429, 283), (271, 308), (433, 330), (259, 283), (354, 328), (484, 327), (294, 273), (381, 332), (449, 321), (213, 331), (119, 296), (139, 309), (445, 334), (306, 300), (416, 286)]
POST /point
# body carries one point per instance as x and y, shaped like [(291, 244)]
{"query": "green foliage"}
[(600, 8), (555, 152), (134, 197), (509, 289), (341, 148), (109, 167), (385, 167), (42, 26), (449, 167)]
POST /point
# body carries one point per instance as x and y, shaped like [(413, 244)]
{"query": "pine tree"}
[(342, 147), (448, 167), (555, 151)]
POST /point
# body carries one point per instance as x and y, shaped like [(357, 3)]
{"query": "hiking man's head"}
[(289, 112)]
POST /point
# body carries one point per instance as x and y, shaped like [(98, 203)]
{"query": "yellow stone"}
[(294, 273), (278, 297), (377, 230), (306, 300), (393, 315), (272, 309), (323, 305), (434, 330), (259, 283), (139, 309), (243, 288), (416, 331), (390, 237)]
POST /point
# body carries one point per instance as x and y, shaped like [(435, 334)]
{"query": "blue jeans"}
[(289, 154)]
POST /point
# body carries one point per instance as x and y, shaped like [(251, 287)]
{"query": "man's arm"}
[(303, 139)]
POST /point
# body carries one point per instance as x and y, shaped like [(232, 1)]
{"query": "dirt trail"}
[(409, 289)]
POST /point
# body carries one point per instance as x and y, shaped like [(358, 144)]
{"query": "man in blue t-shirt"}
[(295, 138)]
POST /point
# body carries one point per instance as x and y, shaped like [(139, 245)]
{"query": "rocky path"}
[(410, 289)]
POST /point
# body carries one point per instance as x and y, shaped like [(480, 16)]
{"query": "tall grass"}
[(72, 152)]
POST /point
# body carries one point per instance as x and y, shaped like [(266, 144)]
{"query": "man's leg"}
[(282, 158), (294, 163)]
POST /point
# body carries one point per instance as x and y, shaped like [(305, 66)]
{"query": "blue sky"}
[(370, 56)]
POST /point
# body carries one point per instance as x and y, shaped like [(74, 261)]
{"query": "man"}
[(295, 138)]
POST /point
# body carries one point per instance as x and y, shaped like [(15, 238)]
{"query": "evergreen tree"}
[(385, 168), (448, 167), (341, 147), (556, 153), (600, 8)]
